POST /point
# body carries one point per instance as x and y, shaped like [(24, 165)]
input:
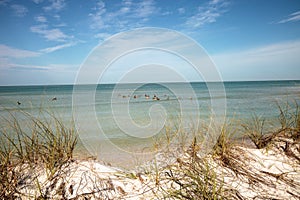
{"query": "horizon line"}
[(170, 82)]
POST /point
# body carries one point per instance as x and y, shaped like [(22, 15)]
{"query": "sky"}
[(47, 41)]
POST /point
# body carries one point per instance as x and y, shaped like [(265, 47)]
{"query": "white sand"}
[(273, 174)]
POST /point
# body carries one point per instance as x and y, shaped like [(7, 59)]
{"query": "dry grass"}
[(288, 122), (194, 176), (27, 142)]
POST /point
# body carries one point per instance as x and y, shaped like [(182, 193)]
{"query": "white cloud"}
[(10, 52), (55, 5), (41, 19), (37, 1), (60, 25), (127, 2), (207, 14), (10, 55), (28, 67), (58, 47), (292, 18), (181, 10), (275, 61), (4, 2), (125, 10), (4, 63), (166, 13), (215, 2), (145, 8), (22, 74), (56, 16), (102, 36), (270, 50), (19, 10), (97, 16), (13, 71), (130, 14), (50, 34)]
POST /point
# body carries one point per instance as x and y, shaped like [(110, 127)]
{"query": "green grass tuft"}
[(28, 141)]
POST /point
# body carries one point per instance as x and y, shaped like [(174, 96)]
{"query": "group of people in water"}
[(146, 96), (154, 97)]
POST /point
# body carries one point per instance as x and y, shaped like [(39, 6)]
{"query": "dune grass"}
[(287, 122), (194, 176), (28, 141)]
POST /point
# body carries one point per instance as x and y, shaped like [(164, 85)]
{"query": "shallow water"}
[(123, 117)]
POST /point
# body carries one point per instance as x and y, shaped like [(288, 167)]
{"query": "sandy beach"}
[(272, 172)]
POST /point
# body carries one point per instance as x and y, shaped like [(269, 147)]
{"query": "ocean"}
[(110, 118)]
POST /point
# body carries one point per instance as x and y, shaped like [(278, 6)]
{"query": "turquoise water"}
[(177, 101), (243, 98)]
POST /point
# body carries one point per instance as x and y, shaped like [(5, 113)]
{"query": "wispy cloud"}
[(15, 71), (144, 9), (41, 19), (56, 5), (50, 34), (269, 50), (291, 18), (181, 10), (29, 67), (9, 56), (60, 25), (19, 10), (97, 16), (22, 74), (130, 14), (207, 14), (10, 52), (102, 36), (274, 61), (37, 1), (4, 2), (58, 47), (53, 31)]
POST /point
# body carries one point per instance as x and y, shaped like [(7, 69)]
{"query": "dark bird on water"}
[(18, 102)]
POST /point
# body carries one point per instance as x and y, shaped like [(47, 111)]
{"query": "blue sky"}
[(46, 41)]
